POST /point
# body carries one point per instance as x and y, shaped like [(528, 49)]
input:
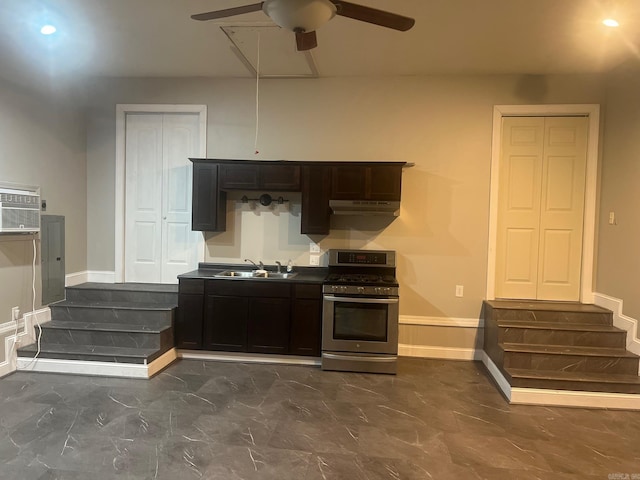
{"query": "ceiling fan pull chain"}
[(257, 96)]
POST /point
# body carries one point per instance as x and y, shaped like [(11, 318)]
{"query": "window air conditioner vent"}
[(19, 210)]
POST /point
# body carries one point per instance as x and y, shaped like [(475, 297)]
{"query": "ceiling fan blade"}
[(306, 40), (229, 12), (372, 15)]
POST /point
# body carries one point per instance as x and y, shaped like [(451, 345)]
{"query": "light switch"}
[(314, 260), (314, 247), (612, 218)]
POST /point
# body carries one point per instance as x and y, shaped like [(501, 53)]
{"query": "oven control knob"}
[(360, 289)]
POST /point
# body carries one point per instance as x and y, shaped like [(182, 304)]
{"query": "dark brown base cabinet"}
[(249, 316), (306, 320), (188, 325), (225, 323), (268, 325)]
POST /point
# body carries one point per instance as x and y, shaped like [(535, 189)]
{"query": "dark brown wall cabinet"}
[(370, 182), (209, 206), (316, 190), (260, 177), (319, 182), (246, 316)]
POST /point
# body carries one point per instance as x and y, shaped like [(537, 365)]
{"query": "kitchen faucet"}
[(259, 267), (279, 266)]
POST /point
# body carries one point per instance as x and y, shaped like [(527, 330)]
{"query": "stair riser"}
[(112, 315), (111, 339), (100, 295), (575, 385), (593, 318), (87, 358), (571, 363), (562, 337)]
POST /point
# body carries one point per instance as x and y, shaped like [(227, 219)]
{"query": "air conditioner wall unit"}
[(19, 209)]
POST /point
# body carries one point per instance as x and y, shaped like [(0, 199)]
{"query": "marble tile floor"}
[(436, 419)]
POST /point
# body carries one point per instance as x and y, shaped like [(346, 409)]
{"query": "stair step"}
[(578, 381), (106, 334), (575, 334), (568, 350), (549, 312), (569, 358), (92, 353), (115, 305), (126, 292), (105, 327), (113, 312)]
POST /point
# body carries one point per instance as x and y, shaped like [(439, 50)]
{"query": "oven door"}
[(360, 324)]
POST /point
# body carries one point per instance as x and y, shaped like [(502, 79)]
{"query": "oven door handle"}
[(332, 298)]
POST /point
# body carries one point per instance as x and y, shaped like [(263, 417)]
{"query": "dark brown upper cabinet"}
[(319, 182), (284, 178), (208, 208), (316, 190), (366, 182)]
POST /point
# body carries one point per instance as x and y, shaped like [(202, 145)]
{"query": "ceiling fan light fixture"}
[(299, 15)]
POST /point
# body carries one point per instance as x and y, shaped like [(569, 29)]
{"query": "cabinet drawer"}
[(310, 291), (189, 285)]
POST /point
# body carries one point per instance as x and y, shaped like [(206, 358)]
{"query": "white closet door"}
[(179, 243), (541, 208), (143, 194), (159, 243)]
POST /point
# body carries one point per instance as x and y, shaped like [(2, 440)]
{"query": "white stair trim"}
[(560, 398), (26, 335), (620, 320), (105, 369)]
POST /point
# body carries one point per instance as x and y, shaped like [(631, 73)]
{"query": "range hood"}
[(365, 207)]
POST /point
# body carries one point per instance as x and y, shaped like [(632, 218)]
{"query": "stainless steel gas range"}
[(360, 312)]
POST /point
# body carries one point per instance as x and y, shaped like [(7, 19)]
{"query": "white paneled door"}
[(159, 243), (541, 208)]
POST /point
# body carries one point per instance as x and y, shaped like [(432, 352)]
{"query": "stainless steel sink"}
[(235, 273), (279, 275), (245, 274)]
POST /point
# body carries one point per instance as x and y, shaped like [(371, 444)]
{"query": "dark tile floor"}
[(212, 420)]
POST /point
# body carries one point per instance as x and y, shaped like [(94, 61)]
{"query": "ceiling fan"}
[(304, 17)]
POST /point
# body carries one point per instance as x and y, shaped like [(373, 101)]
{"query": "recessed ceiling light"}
[(48, 30), (610, 22)]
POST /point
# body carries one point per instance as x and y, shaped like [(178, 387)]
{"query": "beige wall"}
[(618, 272), (443, 124), (42, 142)]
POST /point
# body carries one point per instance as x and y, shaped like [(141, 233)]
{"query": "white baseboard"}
[(441, 321), (77, 278), (450, 353), (104, 369), (437, 351), (26, 335), (248, 357), (560, 398), (620, 320)]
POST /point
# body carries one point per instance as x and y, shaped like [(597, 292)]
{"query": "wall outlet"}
[(15, 314), (459, 290), (314, 247), (314, 260), (612, 218)]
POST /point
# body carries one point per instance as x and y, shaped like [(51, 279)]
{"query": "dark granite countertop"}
[(209, 270)]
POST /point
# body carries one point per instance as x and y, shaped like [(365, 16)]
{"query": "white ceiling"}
[(158, 38)]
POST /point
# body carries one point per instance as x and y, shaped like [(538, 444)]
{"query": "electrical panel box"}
[(19, 209)]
